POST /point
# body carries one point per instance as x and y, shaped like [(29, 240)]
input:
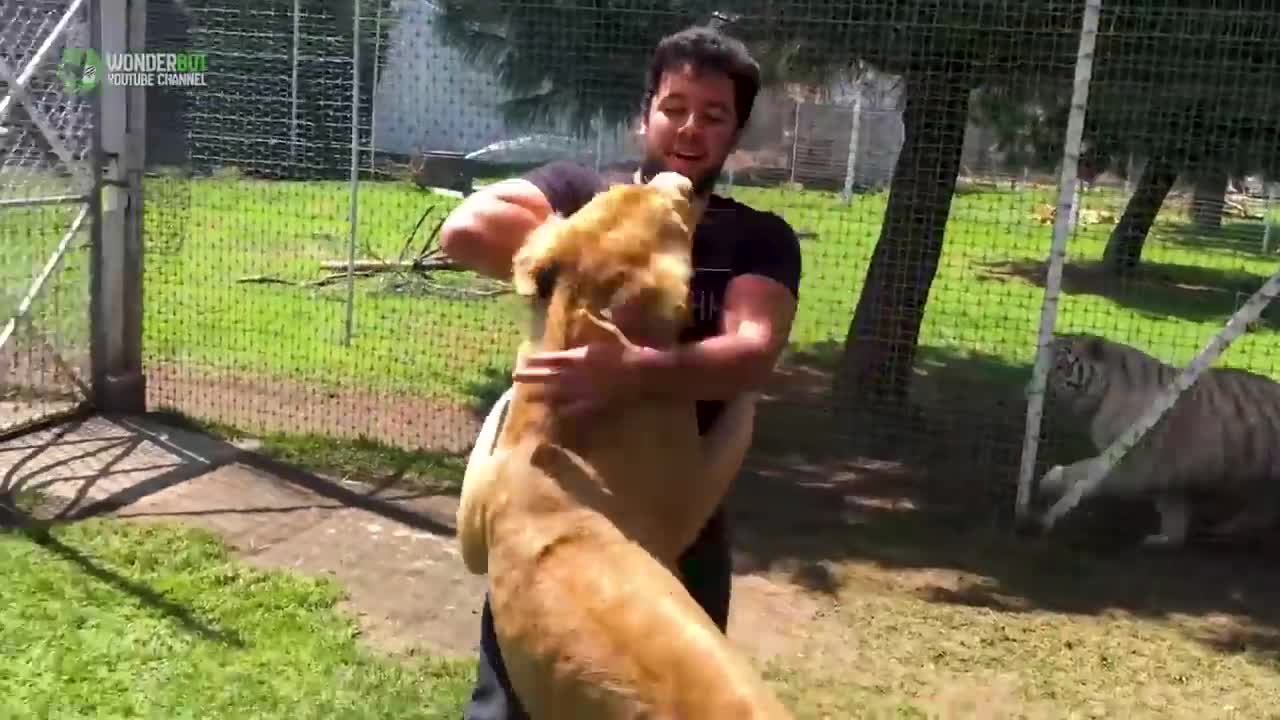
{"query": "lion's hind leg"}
[(600, 629), (724, 449)]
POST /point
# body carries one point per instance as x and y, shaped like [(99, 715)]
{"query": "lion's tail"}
[(724, 448)]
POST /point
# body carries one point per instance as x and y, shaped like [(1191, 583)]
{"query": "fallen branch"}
[(1241, 211), (335, 277), (265, 280), (428, 264), (326, 280)]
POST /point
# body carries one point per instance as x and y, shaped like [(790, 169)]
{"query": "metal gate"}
[(48, 132)]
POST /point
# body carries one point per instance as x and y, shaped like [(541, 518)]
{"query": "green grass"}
[(29, 237), (982, 303), (205, 235), (104, 619), (199, 316)]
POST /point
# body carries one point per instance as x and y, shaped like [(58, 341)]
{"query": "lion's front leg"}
[(477, 485)]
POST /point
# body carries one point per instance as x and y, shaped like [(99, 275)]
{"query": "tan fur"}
[(1220, 440), (579, 524)]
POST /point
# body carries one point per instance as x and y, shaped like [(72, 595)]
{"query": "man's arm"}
[(759, 309), (758, 314), (487, 228)]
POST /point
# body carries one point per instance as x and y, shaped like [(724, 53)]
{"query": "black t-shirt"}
[(732, 239)]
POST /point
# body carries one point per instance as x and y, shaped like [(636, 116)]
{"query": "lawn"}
[(104, 619), (227, 257), (985, 300), (29, 237)]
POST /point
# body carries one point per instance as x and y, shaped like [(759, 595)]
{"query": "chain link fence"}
[(46, 131), (294, 283)]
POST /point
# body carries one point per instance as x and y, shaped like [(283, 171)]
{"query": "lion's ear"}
[(536, 265)]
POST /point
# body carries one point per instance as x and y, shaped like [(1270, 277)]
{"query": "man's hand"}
[(581, 380)]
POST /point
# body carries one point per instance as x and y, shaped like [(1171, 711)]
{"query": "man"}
[(700, 91)]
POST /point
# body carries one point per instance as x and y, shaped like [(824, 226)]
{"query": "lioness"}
[(579, 523)]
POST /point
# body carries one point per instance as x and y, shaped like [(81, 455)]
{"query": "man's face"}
[(691, 126)]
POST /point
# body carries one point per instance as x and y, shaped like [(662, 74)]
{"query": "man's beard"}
[(702, 185)]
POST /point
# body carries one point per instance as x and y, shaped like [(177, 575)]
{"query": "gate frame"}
[(110, 200)]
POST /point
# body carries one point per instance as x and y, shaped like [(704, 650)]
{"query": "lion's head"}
[(623, 258)]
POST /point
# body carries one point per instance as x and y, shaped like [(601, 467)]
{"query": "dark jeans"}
[(706, 571)]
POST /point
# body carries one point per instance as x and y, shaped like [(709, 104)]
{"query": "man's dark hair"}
[(705, 48)]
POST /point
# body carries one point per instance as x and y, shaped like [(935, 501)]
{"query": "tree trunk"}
[(1209, 198), (880, 346), (1124, 248)]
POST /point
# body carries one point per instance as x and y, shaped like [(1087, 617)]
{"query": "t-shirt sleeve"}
[(567, 185), (775, 253)]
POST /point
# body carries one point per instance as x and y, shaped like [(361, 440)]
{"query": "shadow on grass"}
[(1188, 292), (39, 533), (1243, 237), (819, 492), (20, 500)]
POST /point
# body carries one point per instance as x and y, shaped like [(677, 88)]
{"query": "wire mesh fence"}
[(1183, 99), (46, 128), (294, 282)]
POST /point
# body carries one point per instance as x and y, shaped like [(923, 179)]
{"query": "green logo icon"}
[(79, 69)]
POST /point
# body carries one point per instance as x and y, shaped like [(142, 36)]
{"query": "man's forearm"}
[(716, 368), (486, 230)]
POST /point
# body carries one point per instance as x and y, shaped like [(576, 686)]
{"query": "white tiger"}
[(1220, 440)]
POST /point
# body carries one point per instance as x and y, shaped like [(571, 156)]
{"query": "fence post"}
[(1268, 222), (116, 303), (293, 86), (1058, 249), (855, 137), (354, 218)]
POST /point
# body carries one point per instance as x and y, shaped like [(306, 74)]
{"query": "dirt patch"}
[(274, 404)]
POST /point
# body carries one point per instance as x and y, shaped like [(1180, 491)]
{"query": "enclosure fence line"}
[(299, 193), (354, 219)]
